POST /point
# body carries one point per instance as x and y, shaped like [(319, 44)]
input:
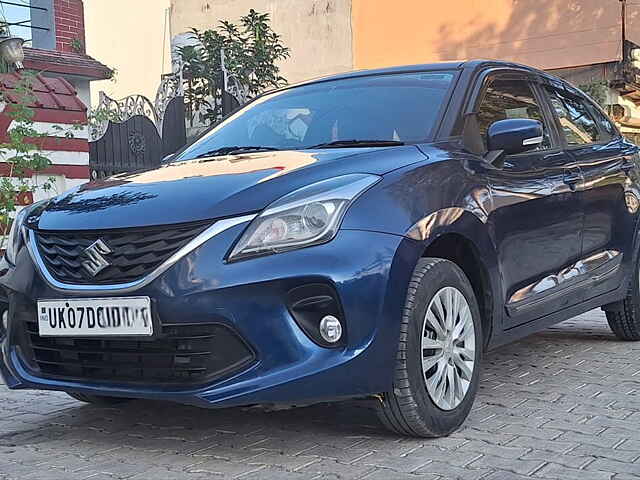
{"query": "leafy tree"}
[(251, 50), (21, 151), (597, 90)]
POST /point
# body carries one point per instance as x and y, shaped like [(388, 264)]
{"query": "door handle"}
[(572, 179)]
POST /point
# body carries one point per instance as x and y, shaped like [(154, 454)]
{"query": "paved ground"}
[(563, 404)]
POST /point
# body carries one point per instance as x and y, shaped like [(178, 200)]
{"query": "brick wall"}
[(69, 20)]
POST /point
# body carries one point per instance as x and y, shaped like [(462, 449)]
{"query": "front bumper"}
[(369, 272)]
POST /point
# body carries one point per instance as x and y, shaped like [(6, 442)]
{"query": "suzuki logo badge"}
[(95, 261)]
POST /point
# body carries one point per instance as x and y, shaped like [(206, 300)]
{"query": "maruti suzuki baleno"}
[(366, 235)]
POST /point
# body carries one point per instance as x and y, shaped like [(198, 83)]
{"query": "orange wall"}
[(543, 33)]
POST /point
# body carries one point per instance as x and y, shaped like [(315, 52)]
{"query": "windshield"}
[(397, 108)]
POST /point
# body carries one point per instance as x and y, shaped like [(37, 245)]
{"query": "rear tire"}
[(625, 320), (421, 404), (98, 399)]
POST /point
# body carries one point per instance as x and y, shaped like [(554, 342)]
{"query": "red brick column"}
[(69, 20)]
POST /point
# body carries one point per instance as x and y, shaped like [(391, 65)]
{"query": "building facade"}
[(588, 42), (317, 32), (133, 37), (55, 50), (56, 43)]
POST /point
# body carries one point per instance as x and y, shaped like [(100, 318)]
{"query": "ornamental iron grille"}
[(135, 133), (231, 86)]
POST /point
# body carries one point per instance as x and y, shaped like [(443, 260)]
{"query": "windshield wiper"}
[(358, 143), (236, 149)]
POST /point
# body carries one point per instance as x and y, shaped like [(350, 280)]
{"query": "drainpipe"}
[(623, 14)]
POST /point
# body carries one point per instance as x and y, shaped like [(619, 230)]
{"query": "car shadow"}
[(517, 373)]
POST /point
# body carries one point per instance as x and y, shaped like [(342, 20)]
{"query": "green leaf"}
[(252, 52)]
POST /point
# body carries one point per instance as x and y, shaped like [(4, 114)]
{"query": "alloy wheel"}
[(448, 348)]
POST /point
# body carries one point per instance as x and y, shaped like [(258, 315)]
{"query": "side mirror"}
[(515, 135)]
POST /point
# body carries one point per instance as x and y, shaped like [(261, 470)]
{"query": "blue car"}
[(366, 235)]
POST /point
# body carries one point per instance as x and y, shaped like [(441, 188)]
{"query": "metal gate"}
[(134, 133)]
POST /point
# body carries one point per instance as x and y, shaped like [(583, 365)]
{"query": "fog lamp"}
[(330, 329)]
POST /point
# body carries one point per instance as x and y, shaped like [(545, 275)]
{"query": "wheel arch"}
[(462, 237), (633, 259)]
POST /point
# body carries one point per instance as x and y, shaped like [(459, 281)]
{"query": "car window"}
[(398, 107), (605, 123), (578, 125), (510, 98)]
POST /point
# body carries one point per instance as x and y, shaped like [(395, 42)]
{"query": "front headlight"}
[(308, 216), (14, 242)]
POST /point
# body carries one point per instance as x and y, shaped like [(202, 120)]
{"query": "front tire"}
[(439, 354)]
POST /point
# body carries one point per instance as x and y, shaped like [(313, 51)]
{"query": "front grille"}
[(182, 354), (135, 252)]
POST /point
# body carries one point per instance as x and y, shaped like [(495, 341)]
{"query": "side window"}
[(604, 122), (577, 123), (510, 98)]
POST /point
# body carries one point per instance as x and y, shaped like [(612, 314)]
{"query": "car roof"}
[(477, 64)]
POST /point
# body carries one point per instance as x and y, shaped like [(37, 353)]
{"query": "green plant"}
[(21, 151), (597, 90), (98, 116), (114, 75), (77, 45), (252, 51)]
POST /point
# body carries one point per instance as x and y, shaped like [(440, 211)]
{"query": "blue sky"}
[(14, 13)]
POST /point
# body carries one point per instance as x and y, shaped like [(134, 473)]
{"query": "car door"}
[(536, 222), (606, 161)]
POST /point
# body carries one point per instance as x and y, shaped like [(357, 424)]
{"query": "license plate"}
[(88, 317)]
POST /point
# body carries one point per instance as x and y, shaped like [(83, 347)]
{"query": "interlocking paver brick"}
[(519, 466), (557, 446), (280, 460), (532, 432), (557, 472), (607, 412), (60, 475), (270, 473), (560, 405), (496, 450), (613, 466), (449, 471), (406, 464), (219, 466), (456, 457), (616, 454), (345, 455), (337, 469), (383, 474), (566, 426), (630, 445), (570, 461), (604, 441), (502, 438)]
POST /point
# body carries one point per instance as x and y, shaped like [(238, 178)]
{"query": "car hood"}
[(209, 188)]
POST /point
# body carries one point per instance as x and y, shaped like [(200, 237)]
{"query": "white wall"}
[(130, 36)]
